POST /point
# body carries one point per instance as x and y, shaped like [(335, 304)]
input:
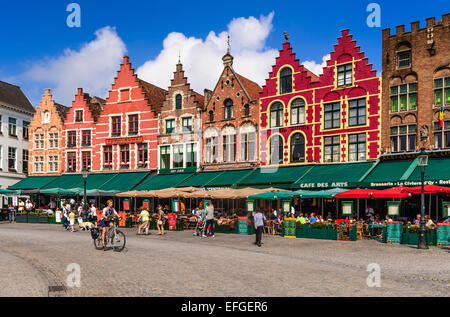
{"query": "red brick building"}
[(180, 126), (327, 119), (79, 133), (416, 87), (127, 127), (230, 122)]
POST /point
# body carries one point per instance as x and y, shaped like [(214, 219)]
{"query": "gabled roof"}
[(252, 88), (14, 97), (62, 110), (155, 95)]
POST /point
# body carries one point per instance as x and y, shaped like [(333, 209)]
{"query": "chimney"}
[(400, 29), (446, 19), (386, 33), (415, 26), (48, 92), (430, 22), (126, 59), (80, 91)]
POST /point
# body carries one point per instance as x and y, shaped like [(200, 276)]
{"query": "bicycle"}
[(113, 237)]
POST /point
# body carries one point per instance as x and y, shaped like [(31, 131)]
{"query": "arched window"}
[(297, 148), (229, 144), (211, 116), (298, 111), (247, 110), (229, 109), (46, 117), (276, 150), (276, 115), (286, 81), (178, 102)]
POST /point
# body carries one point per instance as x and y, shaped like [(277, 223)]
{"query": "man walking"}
[(259, 225), (209, 220)]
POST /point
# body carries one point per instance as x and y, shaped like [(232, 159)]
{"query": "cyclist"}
[(107, 220)]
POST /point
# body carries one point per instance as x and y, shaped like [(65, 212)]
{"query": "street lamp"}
[(85, 176), (422, 163)]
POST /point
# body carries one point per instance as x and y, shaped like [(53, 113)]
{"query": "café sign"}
[(121, 141)]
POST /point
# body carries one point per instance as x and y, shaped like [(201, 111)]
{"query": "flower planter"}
[(33, 219), (410, 238), (305, 231), (43, 219), (21, 218)]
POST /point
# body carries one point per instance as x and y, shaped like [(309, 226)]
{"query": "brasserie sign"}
[(121, 141)]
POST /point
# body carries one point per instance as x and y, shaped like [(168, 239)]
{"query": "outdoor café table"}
[(375, 226)]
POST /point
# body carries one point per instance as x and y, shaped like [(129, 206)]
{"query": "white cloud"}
[(202, 58), (317, 68), (92, 67)]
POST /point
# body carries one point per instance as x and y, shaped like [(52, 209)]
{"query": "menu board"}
[(347, 208), (393, 208), (446, 210), (172, 221)]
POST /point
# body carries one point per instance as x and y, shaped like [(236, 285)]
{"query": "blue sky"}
[(38, 48)]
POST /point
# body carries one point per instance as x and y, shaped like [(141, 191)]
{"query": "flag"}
[(441, 118)]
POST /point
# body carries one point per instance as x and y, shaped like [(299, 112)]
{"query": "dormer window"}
[(46, 117), (286, 81), (178, 102), (404, 59), (345, 75), (79, 116), (229, 109)]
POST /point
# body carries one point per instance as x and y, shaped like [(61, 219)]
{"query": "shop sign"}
[(121, 141)]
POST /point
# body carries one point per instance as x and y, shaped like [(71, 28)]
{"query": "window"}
[(212, 149), (125, 156), (12, 127), (72, 139), (39, 141), (86, 138), (72, 162), (86, 156), (442, 136), (404, 59), (165, 157), (248, 146), (143, 154), (297, 148), (404, 95), (276, 150), (53, 142), (79, 116), (286, 81), (357, 112), (345, 75), (229, 148), (357, 147), (229, 111), (276, 115), (178, 102), (25, 131), (107, 157), (178, 156), (332, 149), (46, 117), (403, 138), (187, 124), (211, 116), (170, 126), (442, 91), (53, 164), (12, 162), (191, 155), (133, 124), (39, 164), (247, 111), (298, 112), (116, 126), (333, 116), (24, 161)]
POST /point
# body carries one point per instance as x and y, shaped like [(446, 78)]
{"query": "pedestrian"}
[(29, 206), (12, 213), (161, 220), (292, 211), (52, 205), (329, 217), (80, 214), (65, 217), (209, 220), (145, 217), (259, 219), (93, 213), (72, 220)]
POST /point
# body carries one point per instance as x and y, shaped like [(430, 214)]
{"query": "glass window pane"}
[(403, 89), (438, 83), (438, 140), (413, 87), (394, 101), (447, 96), (411, 129), (403, 129), (438, 97), (412, 101), (403, 100), (394, 131), (447, 139), (403, 143), (447, 82), (394, 90)]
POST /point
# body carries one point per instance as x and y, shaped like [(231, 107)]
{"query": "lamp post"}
[(423, 162), (85, 176)]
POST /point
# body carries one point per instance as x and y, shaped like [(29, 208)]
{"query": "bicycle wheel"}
[(119, 241), (98, 243)]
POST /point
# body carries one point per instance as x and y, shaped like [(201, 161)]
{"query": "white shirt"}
[(29, 206), (93, 211)]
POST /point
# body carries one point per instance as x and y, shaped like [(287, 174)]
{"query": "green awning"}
[(123, 182), (33, 183), (273, 196), (330, 193), (96, 181), (8, 192), (163, 181), (60, 192), (387, 174), (74, 181), (200, 179), (274, 177), (437, 172), (333, 176)]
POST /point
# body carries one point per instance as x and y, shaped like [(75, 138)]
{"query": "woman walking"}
[(161, 220)]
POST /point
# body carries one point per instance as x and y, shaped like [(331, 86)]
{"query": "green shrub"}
[(319, 225)]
